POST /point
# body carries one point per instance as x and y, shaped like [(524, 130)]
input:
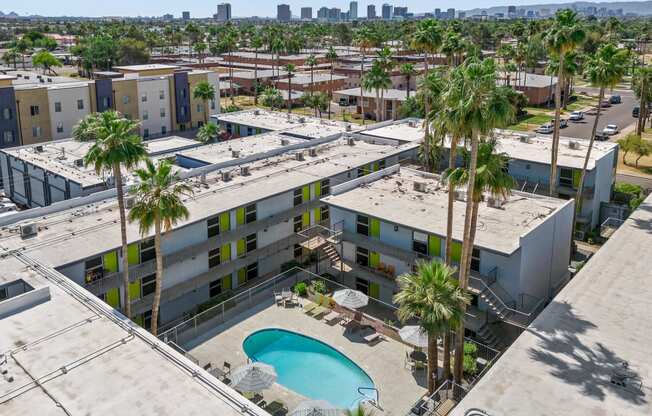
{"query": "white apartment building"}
[(68, 104), (154, 106)]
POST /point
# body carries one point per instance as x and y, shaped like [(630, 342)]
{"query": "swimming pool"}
[(308, 366)]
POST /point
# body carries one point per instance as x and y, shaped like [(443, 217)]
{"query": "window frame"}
[(57, 106), (144, 250), (475, 259), (95, 271), (251, 268), (324, 213), (251, 242), (297, 197), (80, 104), (297, 223), (147, 285), (214, 257), (360, 253), (212, 286), (34, 110), (211, 227), (566, 181), (325, 186), (420, 245), (361, 225)]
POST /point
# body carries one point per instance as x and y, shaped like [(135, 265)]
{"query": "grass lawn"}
[(531, 122), (582, 102), (644, 164)]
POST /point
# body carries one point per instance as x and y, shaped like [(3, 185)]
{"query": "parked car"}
[(576, 116), (615, 99), (563, 123), (601, 137), (546, 129), (636, 111), (344, 102), (605, 104), (610, 129)]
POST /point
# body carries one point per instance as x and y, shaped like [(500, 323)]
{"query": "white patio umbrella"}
[(415, 335), (316, 408), (253, 377), (350, 298)]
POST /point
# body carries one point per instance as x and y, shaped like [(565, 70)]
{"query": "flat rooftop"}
[(304, 79), (393, 199), (527, 80), (403, 131), (262, 73), (88, 359), (390, 94), (27, 79), (564, 362), (145, 67)]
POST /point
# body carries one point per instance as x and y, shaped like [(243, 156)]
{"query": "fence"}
[(441, 402)]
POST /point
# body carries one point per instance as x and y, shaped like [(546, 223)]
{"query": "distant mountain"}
[(638, 7)]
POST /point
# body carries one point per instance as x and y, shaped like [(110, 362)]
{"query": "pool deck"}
[(383, 361)]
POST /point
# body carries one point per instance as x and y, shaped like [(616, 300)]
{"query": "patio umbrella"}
[(350, 298), (315, 408), (415, 335), (253, 377)]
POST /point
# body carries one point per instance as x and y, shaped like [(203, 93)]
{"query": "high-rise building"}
[(224, 12), (185, 15), (306, 13), (387, 11), (437, 13), (283, 12), (461, 15), (400, 11), (353, 10), (451, 13), (322, 13), (334, 14), (371, 11)]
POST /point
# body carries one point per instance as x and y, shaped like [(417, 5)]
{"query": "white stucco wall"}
[(152, 88), (69, 114)]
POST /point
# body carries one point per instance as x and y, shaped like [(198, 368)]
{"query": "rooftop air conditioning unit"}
[(347, 127), (27, 230), (495, 202), (226, 176), (256, 112), (524, 139), (350, 141), (574, 145), (302, 119), (244, 170), (299, 156), (235, 154), (412, 124), (312, 152), (79, 163), (460, 195), (420, 186), (285, 142), (130, 201), (39, 148)]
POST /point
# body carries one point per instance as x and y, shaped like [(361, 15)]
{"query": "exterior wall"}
[(103, 95), (323, 86), (604, 180), (181, 100), (213, 78), (9, 121), (156, 124), (70, 114), (199, 113), (125, 93), (34, 97)]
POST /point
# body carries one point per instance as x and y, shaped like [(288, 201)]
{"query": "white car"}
[(610, 129), (576, 116), (546, 129)]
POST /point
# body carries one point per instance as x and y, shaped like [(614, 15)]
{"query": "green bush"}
[(231, 109), (301, 289), (470, 349), (319, 287), (628, 188), (469, 365)]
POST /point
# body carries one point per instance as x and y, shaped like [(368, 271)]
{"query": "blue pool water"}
[(308, 366)]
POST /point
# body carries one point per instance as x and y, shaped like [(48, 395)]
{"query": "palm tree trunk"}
[(126, 302), (426, 134), (432, 363), (231, 79), (447, 354), (407, 88), (256, 79), (330, 92), (159, 275), (467, 250), (378, 105), (642, 107), (289, 95), (452, 159), (312, 82), (555, 134), (361, 92)]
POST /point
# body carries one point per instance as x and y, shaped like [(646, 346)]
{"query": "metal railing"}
[(609, 226), (439, 403)]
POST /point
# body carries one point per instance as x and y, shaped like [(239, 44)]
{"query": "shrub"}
[(319, 286), (231, 108), (469, 365), (470, 349), (301, 289), (289, 265)]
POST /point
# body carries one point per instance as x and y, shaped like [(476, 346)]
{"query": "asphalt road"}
[(643, 182)]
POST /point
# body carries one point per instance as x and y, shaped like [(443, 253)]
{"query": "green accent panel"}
[(317, 188), (139, 320), (305, 221), (306, 193), (133, 254), (242, 276), (317, 214), (113, 297), (225, 222), (434, 246), (456, 252), (258, 131), (134, 290), (240, 216), (111, 261), (376, 167), (577, 175), (239, 129), (366, 169), (241, 247), (374, 259), (225, 252), (374, 290), (374, 229), (227, 282)]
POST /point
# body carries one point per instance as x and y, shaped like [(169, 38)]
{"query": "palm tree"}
[(481, 106), (408, 71), (115, 145), (272, 98), (311, 61), (256, 43), (376, 80), (434, 297), (363, 39), (360, 410), (331, 55), (642, 81), (204, 91), (564, 36), (200, 48), (159, 205), (430, 89), (208, 132), (229, 44), (290, 68), (385, 61), (10, 55), (605, 69)]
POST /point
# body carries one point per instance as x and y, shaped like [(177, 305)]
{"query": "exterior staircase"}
[(335, 260), (497, 306), (489, 338)]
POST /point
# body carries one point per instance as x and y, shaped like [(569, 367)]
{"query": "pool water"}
[(308, 366)]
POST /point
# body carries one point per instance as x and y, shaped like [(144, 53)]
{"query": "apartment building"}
[(391, 101), (318, 82), (391, 219), (37, 109), (529, 165), (243, 218)]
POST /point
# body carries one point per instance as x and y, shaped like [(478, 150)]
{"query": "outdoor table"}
[(419, 356)]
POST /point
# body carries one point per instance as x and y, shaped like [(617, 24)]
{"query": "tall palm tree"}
[(256, 43), (434, 297), (408, 71), (604, 70), (290, 68), (642, 82), (114, 145), (385, 61), (208, 132), (204, 91), (311, 61), (364, 39), (565, 35), (376, 80), (229, 44), (272, 98), (481, 106), (159, 205), (331, 55)]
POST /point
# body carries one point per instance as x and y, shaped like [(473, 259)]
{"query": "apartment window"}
[(162, 112), (59, 127), (3, 293), (298, 223), (325, 213), (164, 130), (93, 269), (298, 251), (147, 250), (251, 242), (325, 187), (298, 197), (213, 226), (420, 242), (57, 107), (34, 110), (106, 103), (475, 260), (382, 164), (6, 113), (362, 256), (214, 258), (362, 285), (80, 104), (215, 288), (566, 177), (143, 98), (145, 133), (125, 99), (161, 95), (8, 136), (200, 108), (252, 271), (145, 115), (250, 213), (148, 285), (36, 131), (362, 225)]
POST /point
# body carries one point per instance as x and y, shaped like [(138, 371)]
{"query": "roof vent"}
[(495, 202), (299, 156), (202, 178), (256, 112), (130, 201), (285, 142), (412, 124), (460, 195), (39, 148), (575, 145), (420, 186), (524, 139), (244, 170), (312, 152), (226, 176), (28, 230), (235, 154), (79, 163), (302, 119), (350, 141), (347, 127)]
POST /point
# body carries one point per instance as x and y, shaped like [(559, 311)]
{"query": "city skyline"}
[(202, 9)]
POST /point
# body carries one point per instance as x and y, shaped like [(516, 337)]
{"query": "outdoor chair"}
[(308, 308), (278, 298), (226, 368), (332, 317), (372, 337), (410, 364)]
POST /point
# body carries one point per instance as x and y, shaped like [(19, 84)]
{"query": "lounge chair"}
[(410, 364), (373, 337), (278, 298), (331, 317), (309, 307), (226, 368), (319, 311)]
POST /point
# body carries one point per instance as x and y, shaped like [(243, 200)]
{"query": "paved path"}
[(644, 182)]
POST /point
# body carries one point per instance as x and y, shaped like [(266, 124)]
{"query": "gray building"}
[(185, 15), (400, 11), (283, 13), (224, 12), (371, 11), (353, 10), (387, 11), (450, 13), (322, 13), (306, 13), (334, 14)]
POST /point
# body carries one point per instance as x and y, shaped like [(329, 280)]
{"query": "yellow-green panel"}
[(111, 262), (134, 290), (240, 216), (374, 290), (318, 188), (374, 228), (577, 175), (227, 284), (376, 167), (317, 214), (241, 247), (374, 259), (225, 252), (138, 320), (242, 276), (456, 252), (305, 220), (306, 193), (133, 254), (113, 297), (434, 246), (225, 222)]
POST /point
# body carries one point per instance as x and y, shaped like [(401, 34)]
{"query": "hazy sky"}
[(205, 8)]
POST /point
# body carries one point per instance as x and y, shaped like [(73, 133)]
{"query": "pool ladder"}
[(374, 402)]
